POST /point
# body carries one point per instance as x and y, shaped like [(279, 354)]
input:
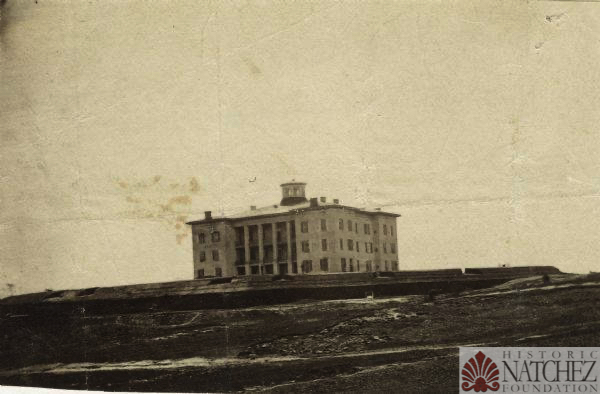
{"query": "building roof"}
[(293, 183), (275, 210)]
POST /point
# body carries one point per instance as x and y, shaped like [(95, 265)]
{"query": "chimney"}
[(207, 215), (314, 202), (336, 201), (378, 209), (323, 199), (253, 207)]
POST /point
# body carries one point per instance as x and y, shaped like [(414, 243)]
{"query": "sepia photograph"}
[(299, 196)]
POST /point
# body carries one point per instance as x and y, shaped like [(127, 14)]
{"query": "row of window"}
[(292, 192), (385, 230), (306, 267), (347, 265), (215, 237), (218, 272), (366, 227), (215, 255), (351, 245)]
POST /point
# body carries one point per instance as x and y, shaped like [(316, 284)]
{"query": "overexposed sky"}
[(120, 120)]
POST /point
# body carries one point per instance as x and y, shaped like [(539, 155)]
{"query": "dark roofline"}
[(293, 211), (293, 183)]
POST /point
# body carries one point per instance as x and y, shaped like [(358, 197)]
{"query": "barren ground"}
[(404, 344)]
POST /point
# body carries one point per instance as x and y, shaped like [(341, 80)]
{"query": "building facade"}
[(297, 236)]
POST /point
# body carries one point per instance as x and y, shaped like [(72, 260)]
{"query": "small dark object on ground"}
[(431, 295), (546, 279)]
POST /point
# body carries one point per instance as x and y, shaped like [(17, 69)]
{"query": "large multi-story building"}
[(297, 236)]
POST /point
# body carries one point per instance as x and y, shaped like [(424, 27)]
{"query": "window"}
[(357, 265), (351, 266), (267, 232), (392, 248), (384, 247), (357, 246), (356, 228), (367, 228), (366, 247), (202, 256), (306, 266), (239, 235), (323, 245), (341, 244), (218, 271), (391, 230), (304, 227), (369, 266), (201, 238), (394, 266), (384, 229), (371, 247), (216, 236), (349, 225), (324, 264), (200, 274), (253, 254), (323, 225), (350, 244), (386, 266), (252, 234), (341, 224), (305, 246), (215, 255), (343, 264)]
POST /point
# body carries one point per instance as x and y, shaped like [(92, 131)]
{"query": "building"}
[(297, 236)]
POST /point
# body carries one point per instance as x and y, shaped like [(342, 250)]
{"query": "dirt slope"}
[(406, 344)]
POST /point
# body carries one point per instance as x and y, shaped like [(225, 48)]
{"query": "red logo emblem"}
[(480, 373)]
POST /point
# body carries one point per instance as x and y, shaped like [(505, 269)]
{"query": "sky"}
[(121, 120)]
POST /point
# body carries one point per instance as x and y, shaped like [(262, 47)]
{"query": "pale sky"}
[(120, 120)]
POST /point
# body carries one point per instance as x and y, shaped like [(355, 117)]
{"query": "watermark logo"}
[(529, 369), (480, 373)]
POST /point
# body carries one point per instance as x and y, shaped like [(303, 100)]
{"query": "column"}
[(275, 257), (247, 249), (261, 256), (289, 245)]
